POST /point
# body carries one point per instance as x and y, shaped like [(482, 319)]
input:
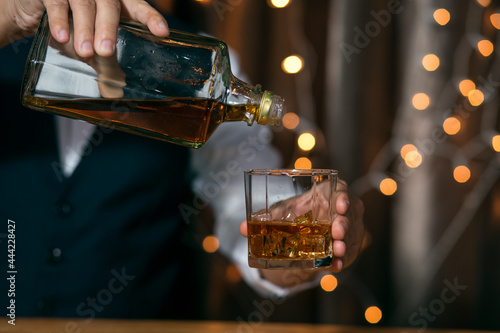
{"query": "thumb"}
[(243, 229)]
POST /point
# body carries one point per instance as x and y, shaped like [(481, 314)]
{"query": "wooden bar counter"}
[(65, 325)]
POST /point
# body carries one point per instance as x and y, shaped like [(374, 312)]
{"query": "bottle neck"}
[(249, 103)]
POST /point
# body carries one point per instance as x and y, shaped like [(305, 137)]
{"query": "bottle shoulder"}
[(174, 35)]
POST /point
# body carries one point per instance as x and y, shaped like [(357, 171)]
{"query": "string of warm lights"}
[(451, 125), (475, 94), (460, 156)]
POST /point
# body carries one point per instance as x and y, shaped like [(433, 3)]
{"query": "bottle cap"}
[(271, 109)]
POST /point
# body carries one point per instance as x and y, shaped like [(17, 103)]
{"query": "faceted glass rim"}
[(292, 172)]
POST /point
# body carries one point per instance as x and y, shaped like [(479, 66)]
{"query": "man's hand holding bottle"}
[(95, 21)]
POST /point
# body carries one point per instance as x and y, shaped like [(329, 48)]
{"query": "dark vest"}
[(106, 242)]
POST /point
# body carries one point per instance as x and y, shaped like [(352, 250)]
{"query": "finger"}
[(342, 198), (106, 26), (340, 226), (141, 11), (337, 265), (83, 22), (112, 78), (339, 248), (57, 11), (342, 203), (244, 229)]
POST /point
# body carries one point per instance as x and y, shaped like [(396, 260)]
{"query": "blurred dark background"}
[(376, 77)]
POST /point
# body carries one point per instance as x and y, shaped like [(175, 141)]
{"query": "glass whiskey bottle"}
[(177, 89)]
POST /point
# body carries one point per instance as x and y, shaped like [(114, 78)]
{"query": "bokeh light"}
[(328, 283), (484, 3), (388, 186), (210, 244), (476, 97), (461, 174), (495, 143), (421, 101), (292, 64), (441, 16), (485, 47), (303, 163), (278, 3), (290, 120), (373, 314), (451, 125), (406, 149), (466, 86), (306, 141), (495, 20), (430, 62), (413, 159)]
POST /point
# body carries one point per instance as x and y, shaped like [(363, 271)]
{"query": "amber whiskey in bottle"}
[(177, 89)]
